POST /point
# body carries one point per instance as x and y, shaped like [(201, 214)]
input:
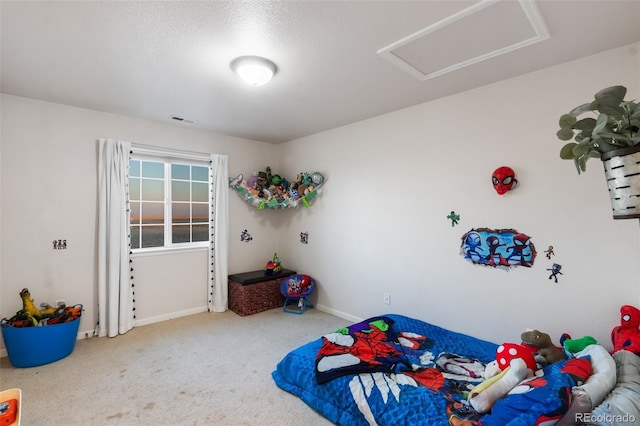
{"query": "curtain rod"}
[(155, 150)]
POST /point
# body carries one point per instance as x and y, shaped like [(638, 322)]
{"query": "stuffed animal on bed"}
[(509, 351), (544, 349), (513, 364), (483, 396), (573, 346), (626, 336)]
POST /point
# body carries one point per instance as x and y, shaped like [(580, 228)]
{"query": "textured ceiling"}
[(158, 59)]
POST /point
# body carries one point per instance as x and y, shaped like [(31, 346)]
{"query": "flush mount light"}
[(254, 70)]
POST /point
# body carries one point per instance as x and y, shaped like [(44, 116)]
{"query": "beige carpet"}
[(204, 369)]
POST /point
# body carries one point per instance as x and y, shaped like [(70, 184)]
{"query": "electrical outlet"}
[(387, 299), (60, 304)]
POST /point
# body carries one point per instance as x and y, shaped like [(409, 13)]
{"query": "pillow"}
[(597, 386), (604, 375), (623, 403), (580, 406)]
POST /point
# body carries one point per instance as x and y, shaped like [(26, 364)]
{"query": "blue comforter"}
[(412, 390), (395, 370)]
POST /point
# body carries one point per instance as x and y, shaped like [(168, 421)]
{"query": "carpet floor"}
[(204, 369)]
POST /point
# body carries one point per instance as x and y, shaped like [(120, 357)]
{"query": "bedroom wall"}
[(49, 191), (381, 224)]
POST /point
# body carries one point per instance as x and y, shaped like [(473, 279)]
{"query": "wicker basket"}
[(622, 170), (250, 299)]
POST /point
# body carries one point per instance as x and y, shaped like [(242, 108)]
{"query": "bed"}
[(393, 370)]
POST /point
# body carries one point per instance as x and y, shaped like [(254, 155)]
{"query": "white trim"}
[(160, 318), (170, 316), (338, 314), (87, 334), (528, 7)]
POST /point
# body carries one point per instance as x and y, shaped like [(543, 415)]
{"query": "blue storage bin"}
[(33, 346)]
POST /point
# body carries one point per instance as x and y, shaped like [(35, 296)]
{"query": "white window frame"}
[(169, 157)]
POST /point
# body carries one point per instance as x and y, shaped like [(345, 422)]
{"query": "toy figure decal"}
[(304, 237), (59, 244), (555, 270), (245, 236), (498, 248), (549, 252), (454, 218)]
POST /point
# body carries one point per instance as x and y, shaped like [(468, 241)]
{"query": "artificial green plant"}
[(613, 123)]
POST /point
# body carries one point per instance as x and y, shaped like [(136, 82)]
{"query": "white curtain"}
[(115, 293), (219, 233)]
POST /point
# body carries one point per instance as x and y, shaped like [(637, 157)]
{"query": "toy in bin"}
[(35, 336), (296, 289), (273, 266)]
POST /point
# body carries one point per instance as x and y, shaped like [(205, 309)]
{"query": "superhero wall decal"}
[(498, 248)]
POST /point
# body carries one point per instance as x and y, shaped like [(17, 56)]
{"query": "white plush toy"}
[(483, 396)]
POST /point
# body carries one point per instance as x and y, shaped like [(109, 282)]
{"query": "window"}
[(169, 203)]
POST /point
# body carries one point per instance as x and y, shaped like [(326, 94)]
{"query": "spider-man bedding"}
[(393, 370)]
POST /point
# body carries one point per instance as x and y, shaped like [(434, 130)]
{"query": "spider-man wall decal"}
[(498, 248)]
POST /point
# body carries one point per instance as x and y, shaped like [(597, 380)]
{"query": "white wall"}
[(380, 224), (49, 191)]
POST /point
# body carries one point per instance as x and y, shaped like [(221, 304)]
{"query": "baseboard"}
[(86, 334), (172, 315), (90, 333), (337, 313)]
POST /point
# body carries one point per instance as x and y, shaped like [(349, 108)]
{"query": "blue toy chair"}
[(296, 290)]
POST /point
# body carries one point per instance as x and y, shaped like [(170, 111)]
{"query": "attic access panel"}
[(480, 32)]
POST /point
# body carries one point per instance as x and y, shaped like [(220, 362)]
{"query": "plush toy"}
[(626, 336), (317, 178), (253, 180), (544, 349), (509, 351), (513, 364), (306, 179), (273, 266), (576, 345), (483, 396)]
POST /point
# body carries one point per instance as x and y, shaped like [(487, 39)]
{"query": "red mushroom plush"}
[(508, 351), (516, 363), (483, 396)]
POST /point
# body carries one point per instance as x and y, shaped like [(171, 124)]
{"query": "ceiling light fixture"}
[(254, 70)]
